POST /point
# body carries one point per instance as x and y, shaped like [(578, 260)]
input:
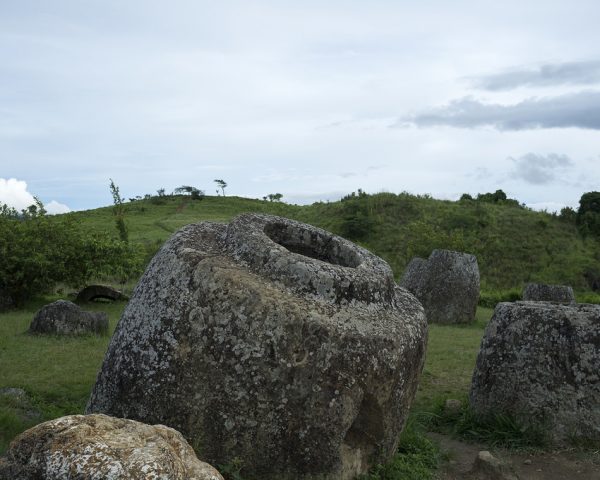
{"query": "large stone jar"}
[(272, 342), (447, 284), (540, 362)]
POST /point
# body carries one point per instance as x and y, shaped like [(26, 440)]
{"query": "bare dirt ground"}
[(553, 465)]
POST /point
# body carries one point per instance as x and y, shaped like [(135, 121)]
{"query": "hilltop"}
[(513, 244)]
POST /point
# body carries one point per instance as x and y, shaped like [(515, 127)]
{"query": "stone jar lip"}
[(308, 259)]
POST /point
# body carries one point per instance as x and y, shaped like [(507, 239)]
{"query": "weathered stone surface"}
[(65, 318), (98, 447), (447, 284), (539, 292), (270, 341), (540, 362), (93, 292)]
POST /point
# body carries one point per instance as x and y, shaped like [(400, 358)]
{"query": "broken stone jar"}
[(272, 342)]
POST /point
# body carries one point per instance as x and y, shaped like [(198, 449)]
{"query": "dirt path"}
[(560, 465)]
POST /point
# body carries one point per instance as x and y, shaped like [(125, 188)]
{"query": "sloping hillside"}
[(513, 244)]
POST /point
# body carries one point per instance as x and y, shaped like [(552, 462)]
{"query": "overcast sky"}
[(312, 99)]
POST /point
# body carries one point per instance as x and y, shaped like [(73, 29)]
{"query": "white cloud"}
[(55, 208), (14, 193), (574, 73), (573, 110)]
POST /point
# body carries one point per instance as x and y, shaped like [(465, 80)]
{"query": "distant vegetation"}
[(513, 244), (38, 251)]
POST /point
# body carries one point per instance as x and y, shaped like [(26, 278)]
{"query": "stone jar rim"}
[(308, 259)]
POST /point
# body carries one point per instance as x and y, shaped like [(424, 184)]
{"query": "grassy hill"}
[(513, 244)]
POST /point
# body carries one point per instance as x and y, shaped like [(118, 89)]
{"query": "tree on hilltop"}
[(588, 214), (222, 184)]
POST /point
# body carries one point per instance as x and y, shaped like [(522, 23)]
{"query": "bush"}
[(588, 214), (37, 251), (588, 298), (489, 299)]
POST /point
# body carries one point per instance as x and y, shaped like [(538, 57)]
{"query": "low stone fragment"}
[(539, 292), (98, 447), (489, 467), (105, 292), (540, 362), (65, 318), (453, 407)]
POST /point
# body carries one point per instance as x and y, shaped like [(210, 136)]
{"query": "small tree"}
[(273, 197), (588, 214), (221, 184), (195, 193), (119, 212)]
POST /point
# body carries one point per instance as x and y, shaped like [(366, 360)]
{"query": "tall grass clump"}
[(417, 457)]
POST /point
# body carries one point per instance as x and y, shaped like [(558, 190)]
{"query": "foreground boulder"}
[(269, 341), (540, 362), (66, 318), (94, 292), (447, 284), (539, 292), (89, 447)]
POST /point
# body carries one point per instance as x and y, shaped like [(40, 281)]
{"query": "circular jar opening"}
[(313, 244)]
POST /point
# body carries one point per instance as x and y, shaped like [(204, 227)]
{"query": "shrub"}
[(588, 214), (490, 298), (37, 251)]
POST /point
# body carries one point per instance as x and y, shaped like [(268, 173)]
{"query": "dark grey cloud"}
[(569, 73), (539, 169), (578, 110)]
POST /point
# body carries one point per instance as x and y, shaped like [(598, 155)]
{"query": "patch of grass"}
[(498, 430), (417, 457), (12, 422), (57, 372), (232, 470), (451, 354)]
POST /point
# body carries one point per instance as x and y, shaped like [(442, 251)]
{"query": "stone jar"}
[(540, 292), (447, 284), (65, 318), (540, 362), (272, 342)]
